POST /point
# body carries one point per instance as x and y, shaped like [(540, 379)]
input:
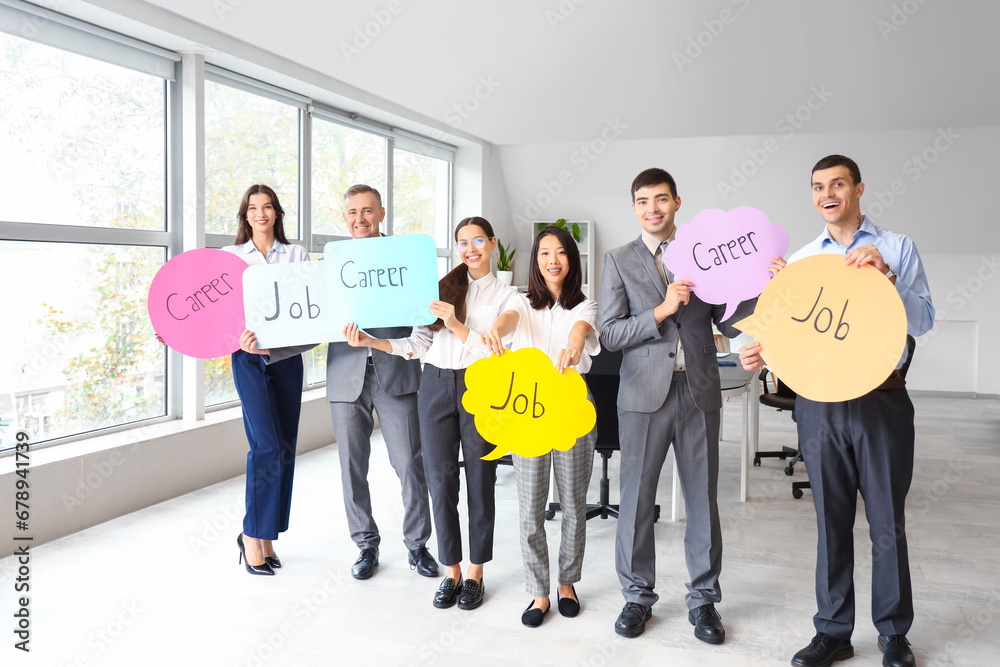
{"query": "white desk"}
[(735, 382)]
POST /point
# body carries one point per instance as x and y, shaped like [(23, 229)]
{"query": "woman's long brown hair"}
[(244, 232), (454, 287)]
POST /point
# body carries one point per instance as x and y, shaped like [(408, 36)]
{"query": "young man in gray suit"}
[(670, 393), (360, 381)]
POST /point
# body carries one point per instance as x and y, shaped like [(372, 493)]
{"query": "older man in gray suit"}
[(359, 382), (669, 393)]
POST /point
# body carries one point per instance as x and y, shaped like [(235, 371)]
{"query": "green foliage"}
[(561, 223), (505, 258)]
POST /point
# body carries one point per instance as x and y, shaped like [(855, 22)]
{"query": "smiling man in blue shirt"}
[(865, 444)]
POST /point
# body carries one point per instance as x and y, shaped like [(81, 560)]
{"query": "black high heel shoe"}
[(273, 561), (264, 569)]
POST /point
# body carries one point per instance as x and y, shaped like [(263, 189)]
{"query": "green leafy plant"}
[(506, 257), (574, 230)]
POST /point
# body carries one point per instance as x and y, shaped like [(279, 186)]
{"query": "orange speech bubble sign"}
[(524, 405), (831, 332)]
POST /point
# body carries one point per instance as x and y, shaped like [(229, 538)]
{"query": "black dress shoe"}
[(707, 624), (569, 607), (273, 561), (632, 621), (364, 566), (472, 594), (264, 569), (897, 651), (532, 618), (447, 593), (424, 562), (822, 651)]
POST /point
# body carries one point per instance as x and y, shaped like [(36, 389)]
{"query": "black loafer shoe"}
[(472, 594), (897, 651), (569, 607), (364, 566), (532, 618), (447, 593), (707, 624), (632, 621), (822, 651), (424, 563)]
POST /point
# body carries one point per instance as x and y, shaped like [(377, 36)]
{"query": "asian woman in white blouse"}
[(555, 317), (471, 299)]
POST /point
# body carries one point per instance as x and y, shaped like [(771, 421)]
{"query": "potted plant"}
[(505, 261)]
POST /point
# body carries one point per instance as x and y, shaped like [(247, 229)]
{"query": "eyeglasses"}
[(478, 243)]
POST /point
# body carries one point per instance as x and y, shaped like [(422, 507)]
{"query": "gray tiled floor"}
[(162, 586)]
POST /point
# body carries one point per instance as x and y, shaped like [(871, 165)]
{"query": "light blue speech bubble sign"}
[(288, 304), (383, 282)]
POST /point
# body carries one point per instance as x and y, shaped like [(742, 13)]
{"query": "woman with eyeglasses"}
[(471, 299), (555, 317), (270, 394)]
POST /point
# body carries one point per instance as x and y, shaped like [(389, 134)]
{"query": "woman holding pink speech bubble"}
[(471, 298), (555, 317), (270, 394)]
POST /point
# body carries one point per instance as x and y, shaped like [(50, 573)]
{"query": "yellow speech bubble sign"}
[(524, 405), (831, 332)]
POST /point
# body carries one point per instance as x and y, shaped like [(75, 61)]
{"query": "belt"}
[(370, 361), (894, 381)]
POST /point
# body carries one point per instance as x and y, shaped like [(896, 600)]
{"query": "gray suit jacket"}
[(345, 367), (630, 288)]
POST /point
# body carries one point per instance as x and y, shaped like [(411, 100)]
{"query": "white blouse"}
[(484, 302), (548, 328), (281, 253)]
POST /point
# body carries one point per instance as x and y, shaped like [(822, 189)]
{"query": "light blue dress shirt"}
[(900, 254)]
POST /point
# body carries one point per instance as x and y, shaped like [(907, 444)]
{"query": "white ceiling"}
[(559, 69)]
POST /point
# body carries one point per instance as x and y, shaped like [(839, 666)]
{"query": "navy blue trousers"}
[(865, 444), (272, 400)]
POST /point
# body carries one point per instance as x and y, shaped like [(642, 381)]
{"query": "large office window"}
[(342, 157), (248, 139), (85, 138), (83, 146), (421, 196)]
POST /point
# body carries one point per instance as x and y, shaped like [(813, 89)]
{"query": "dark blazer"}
[(630, 288)]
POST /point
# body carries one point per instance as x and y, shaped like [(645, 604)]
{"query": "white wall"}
[(944, 186), (84, 483)]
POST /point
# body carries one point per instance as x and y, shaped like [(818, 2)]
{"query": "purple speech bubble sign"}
[(726, 255)]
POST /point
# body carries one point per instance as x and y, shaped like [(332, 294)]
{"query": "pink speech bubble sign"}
[(195, 303), (726, 255)]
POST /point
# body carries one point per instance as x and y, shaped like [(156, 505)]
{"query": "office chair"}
[(603, 380), (782, 398)]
